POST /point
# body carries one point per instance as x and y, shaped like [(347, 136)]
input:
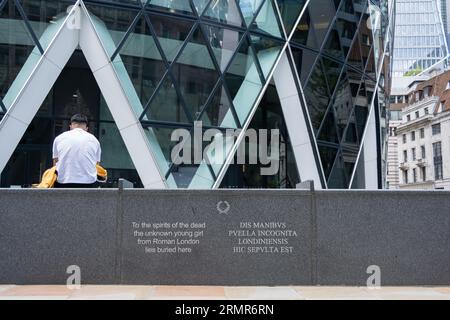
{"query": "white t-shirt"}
[(78, 152)]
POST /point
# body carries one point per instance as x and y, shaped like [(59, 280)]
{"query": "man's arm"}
[(55, 153)]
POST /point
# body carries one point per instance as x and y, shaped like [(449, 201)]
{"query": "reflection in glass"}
[(142, 61), (171, 33), (225, 11), (290, 10), (223, 42), (181, 6), (243, 81), (267, 20), (195, 73)]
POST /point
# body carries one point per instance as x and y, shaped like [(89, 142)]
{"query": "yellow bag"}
[(49, 177), (102, 174)]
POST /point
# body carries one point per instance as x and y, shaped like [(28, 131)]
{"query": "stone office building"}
[(315, 70), (423, 137)]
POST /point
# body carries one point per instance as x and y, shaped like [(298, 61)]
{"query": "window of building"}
[(413, 152), (417, 114), (404, 138), (408, 118), (413, 136), (437, 160), (405, 156), (436, 129), (414, 175), (425, 110), (405, 176), (422, 133), (422, 151), (424, 173)]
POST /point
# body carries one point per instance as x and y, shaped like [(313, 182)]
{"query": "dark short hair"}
[(79, 118)]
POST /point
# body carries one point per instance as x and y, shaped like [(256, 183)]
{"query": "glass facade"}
[(180, 62), (420, 38)]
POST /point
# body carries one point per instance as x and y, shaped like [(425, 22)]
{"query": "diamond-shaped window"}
[(219, 111), (304, 32), (223, 42), (267, 50), (317, 96), (140, 58), (195, 72), (267, 20), (243, 80), (249, 8), (224, 11), (290, 11), (171, 33), (327, 156), (180, 6), (166, 105), (18, 53)]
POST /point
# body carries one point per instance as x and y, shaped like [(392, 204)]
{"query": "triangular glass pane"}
[(342, 103), (351, 137), (243, 81), (267, 51), (349, 155), (166, 105), (346, 24), (45, 17), (317, 96), (370, 65), (354, 57), (333, 44), (223, 42), (200, 5), (290, 10), (322, 13), (2, 107), (304, 33), (224, 11), (359, 179), (328, 130), (195, 72), (338, 178), (332, 71), (180, 6), (267, 20), (171, 33), (140, 58), (361, 114), (249, 9), (18, 54), (218, 113), (163, 136), (304, 61), (116, 20), (327, 156)]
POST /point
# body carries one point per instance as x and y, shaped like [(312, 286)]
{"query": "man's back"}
[(77, 152)]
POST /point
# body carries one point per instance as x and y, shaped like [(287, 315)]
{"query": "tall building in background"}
[(420, 36), (445, 14), (315, 70)]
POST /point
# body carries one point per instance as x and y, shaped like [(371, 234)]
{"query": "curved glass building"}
[(317, 71)]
